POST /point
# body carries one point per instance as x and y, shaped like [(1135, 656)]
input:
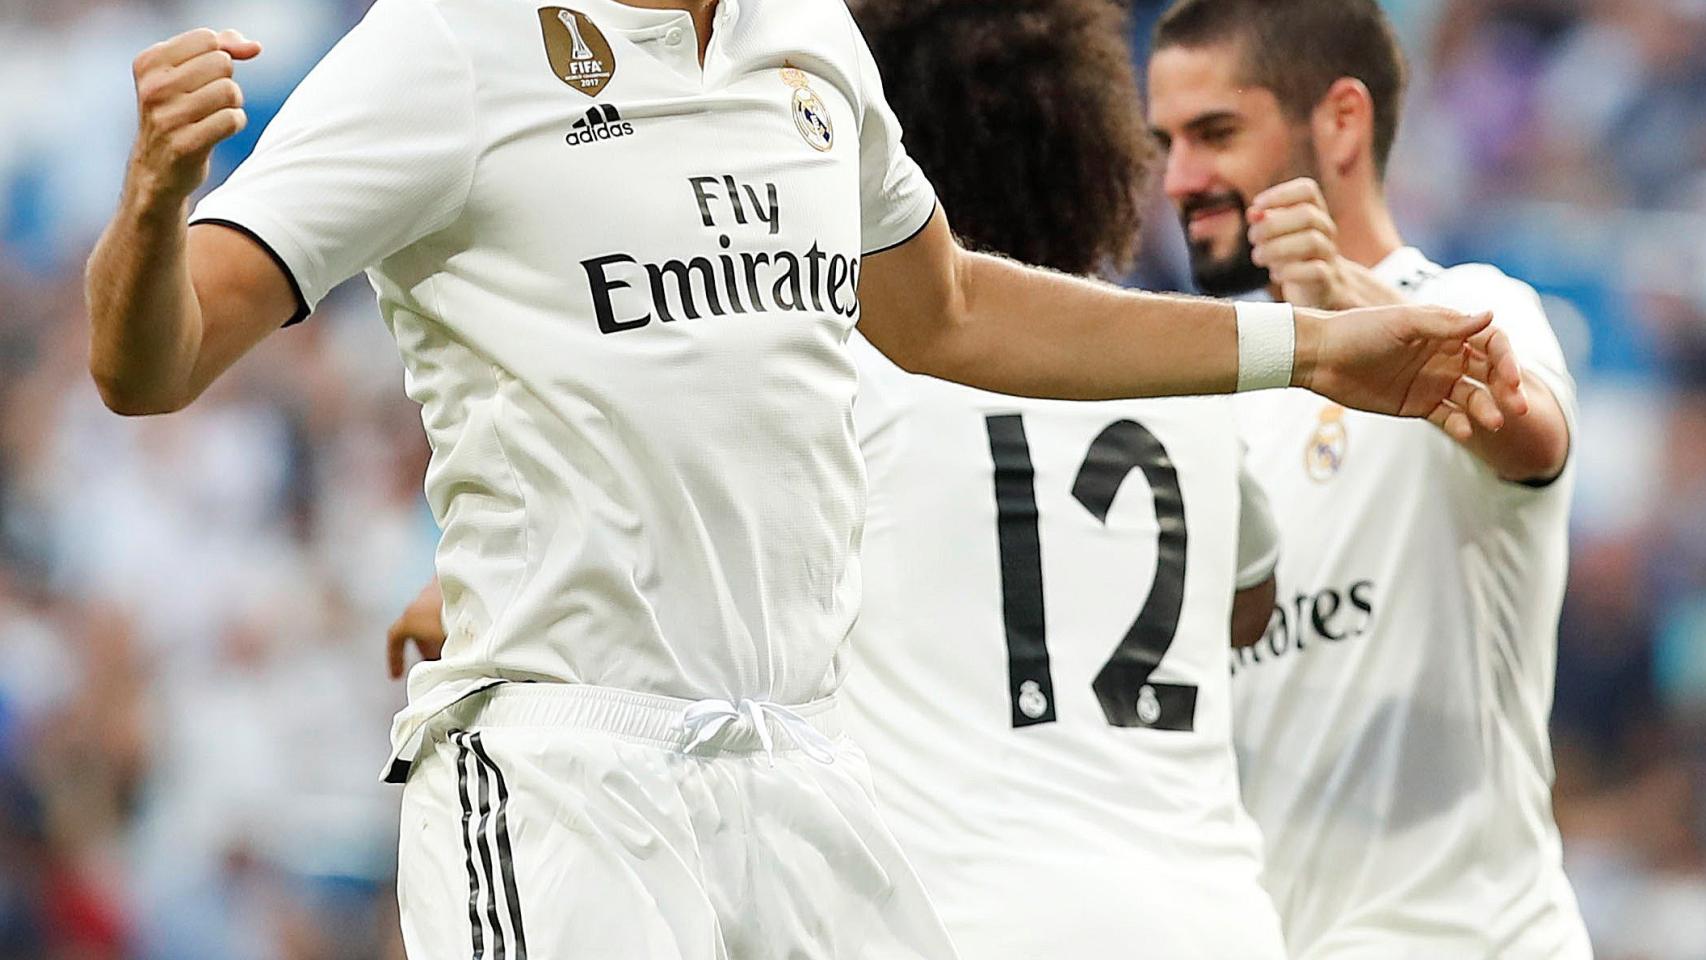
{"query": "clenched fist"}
[(1294, 237), (187, 102)]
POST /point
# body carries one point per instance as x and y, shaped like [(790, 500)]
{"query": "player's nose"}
[(1185, 173)]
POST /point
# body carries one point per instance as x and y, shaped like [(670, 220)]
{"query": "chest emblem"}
[(1325, 452), (580, 55), (811, 115)]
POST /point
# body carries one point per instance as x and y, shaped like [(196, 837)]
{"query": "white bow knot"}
[(704, 720)]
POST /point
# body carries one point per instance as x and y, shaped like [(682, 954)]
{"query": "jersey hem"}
[(302, 307), (934, 203)]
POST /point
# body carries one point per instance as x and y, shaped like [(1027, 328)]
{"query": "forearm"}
[(1252, 608), (1023, 331), (1532, 447), (144, 317)]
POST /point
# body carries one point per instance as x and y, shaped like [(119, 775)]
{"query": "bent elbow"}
[(1539, 463), (126, 401)]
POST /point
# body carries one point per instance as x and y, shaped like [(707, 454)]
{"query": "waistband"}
[(640, 717)]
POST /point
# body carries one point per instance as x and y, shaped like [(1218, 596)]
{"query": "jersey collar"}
[(627, 19), (1405, 268)]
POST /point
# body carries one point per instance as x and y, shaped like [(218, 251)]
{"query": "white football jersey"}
[(622, 284), (1392, 724), (1039, 675)]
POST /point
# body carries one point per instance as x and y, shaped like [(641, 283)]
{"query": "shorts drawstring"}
[(702, 721)]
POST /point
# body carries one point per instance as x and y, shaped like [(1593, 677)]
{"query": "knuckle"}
[(149, 89)]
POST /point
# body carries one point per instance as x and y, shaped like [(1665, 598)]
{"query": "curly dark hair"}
[(1026, 116)]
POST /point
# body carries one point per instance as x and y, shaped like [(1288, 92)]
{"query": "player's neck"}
[(1367, 232)]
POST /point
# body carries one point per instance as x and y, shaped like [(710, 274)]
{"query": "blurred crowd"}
[(193, 705)]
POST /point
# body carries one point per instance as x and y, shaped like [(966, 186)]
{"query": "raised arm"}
[(937, 309), (171, 308)]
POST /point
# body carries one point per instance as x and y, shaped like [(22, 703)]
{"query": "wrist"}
[(149, 201), (1267, 345), (1306, 355)]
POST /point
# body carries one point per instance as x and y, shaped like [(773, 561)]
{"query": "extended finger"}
[(1299, 190), (1474, 399), (1293, 219), (1451, 326), (1449, 417), (1504, 373), (395, 639), (1293, 248)]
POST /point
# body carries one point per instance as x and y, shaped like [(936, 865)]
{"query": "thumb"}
[(238, 46)]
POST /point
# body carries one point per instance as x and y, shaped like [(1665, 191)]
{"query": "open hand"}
[(1457, 371)]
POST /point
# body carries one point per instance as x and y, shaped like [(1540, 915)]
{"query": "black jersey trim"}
[(302, 310), (909, 237)]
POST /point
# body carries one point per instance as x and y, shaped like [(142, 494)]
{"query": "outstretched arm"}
[(938, 309), (171, 308)]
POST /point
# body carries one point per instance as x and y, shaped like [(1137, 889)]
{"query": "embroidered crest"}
[(1325, 454), (811, 114)]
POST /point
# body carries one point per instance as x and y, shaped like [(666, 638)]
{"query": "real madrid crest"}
[(811, 115), (1325, 453), (579, 54)]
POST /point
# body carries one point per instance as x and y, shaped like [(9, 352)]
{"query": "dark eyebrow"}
[(1203, 120), (1196, 124)]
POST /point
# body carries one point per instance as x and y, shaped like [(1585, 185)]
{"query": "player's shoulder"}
[(1469, 287), (1485, 279)]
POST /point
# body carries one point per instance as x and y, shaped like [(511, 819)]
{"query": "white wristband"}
[(1267, 345)]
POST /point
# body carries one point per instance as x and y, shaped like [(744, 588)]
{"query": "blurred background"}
[(193, 704)]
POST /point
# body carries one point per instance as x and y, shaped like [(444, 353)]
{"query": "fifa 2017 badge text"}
[(744, 275), (1330, 616)]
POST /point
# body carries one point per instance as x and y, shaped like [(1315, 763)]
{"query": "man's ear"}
[(1342, 126)]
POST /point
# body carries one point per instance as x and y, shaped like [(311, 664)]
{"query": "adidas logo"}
[(602, 122)]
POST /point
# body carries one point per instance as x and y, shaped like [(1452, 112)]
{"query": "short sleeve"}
[(1258, 533), (373, 151), (1519, 313), (896, 200)]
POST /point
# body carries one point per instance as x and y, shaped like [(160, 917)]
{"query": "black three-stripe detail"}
[(506, 857), (468, 844), (477, 834), (485, 848)]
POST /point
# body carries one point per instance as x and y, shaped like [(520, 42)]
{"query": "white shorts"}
[(567, 822)]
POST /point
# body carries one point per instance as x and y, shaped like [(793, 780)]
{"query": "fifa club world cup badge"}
[(811, 115), (1325, 453), (579, 54)]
